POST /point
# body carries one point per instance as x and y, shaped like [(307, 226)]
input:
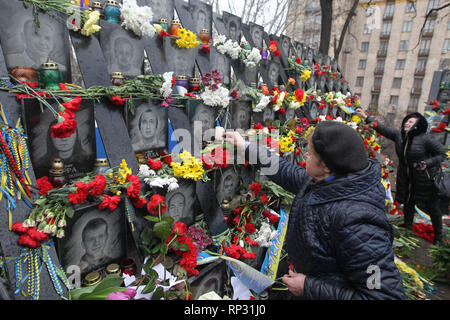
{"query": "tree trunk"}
[(337, 50), (326, 8)]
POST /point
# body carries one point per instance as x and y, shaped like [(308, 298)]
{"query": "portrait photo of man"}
[(180, 203), (148, 127), (227, 185), (77, 152), (25, 44), (241, 112), (257, 35), (273, 73), (234, 33), (162, 9), (123, 51), (203, 121), (93, 239), (222, 64)]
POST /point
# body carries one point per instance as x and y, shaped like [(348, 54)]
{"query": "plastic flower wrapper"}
[(166, 88), (137, 19)]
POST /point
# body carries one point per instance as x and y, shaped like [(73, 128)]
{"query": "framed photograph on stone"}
[(27, 45), (227, 181), (233, 25), (148, 126), (257, 35), (123, 51), (222, 63), (179, 60), (77, 152), (211, 278), (202, 119), (201, 15), (265, 117), (273, 73), (180, 202), (241, 111), (95, 238)]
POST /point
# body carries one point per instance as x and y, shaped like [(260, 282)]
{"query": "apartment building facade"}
[(390, 53)]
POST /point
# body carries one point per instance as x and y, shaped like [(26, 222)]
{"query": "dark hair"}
[(93, 225), (142, 114)]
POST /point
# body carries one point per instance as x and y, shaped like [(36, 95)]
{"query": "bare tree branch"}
[(337, 50), (428, 15)]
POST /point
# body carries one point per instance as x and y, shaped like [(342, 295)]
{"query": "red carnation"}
[(277, 53), (205, 49), (221, 157), (264, 199), (163, 34), (109, 202), (26, 240), (281, 111), (179, 228), (156, 204), (154, 164), (19, 228), (258, 126), (118, 101), (207, 161), (250, 228), (298, 60), (64, 129), (37, 235), (255, 187), (138, 202), (165, 156), (440, 128), (44, 185), (249, 255), (98, 185)]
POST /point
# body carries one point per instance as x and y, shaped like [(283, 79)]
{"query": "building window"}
[(433, 4), (393, 101), (365, 46), (374, 100), (404, 44), (389, 12), (370, 11), (359, 81), (421, 63), (397, 84), (362, 64), (383, 48), (417, 84), (380, 65), (367, 29), (425, 47), (446, 46), (429, 26), (377, 83), (411, 7), (413, 103), (400, 65), (444, 64), (386, 28), (407, 25)]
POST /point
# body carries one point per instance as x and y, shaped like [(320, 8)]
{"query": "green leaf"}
[(152, 218), (182, 247), (164, 248), (146, 235), (150, 287), (159, 293), (101, 294), (162, 230), (70, 212), (168, 219)]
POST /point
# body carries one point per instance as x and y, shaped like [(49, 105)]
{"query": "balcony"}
[(424, 52), (419, 72), (427, 33), (388, 16), (416, 91), (376, 88), (385, 35), (379, 71), (382, 53)]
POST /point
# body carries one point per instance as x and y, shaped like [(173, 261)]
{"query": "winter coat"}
[(413, 147), (337, 231)]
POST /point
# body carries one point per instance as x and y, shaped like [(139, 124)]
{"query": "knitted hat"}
[(340, 147)]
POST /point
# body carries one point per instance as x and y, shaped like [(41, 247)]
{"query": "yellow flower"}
[(448, 154), (187, 39), (308, 131), (123, 172), (405, 269), (91, 26), (306, 74), (358, 103), (286, 144), (356, 119), (191, 168)]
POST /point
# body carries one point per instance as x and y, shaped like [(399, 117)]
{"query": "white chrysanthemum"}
[(265, 235), (166, 88), (262, 103), (253, 58), (219, 97), (338, 119), (173, 186), (294, 105), (137, 19), (145, 171), (220, 40)]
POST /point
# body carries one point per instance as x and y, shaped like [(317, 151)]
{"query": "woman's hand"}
[(235, 139), (295, 282), (424, 165), (361, 112)]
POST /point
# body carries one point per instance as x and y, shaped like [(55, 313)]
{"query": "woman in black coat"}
[(419, 156), (339, 239)]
